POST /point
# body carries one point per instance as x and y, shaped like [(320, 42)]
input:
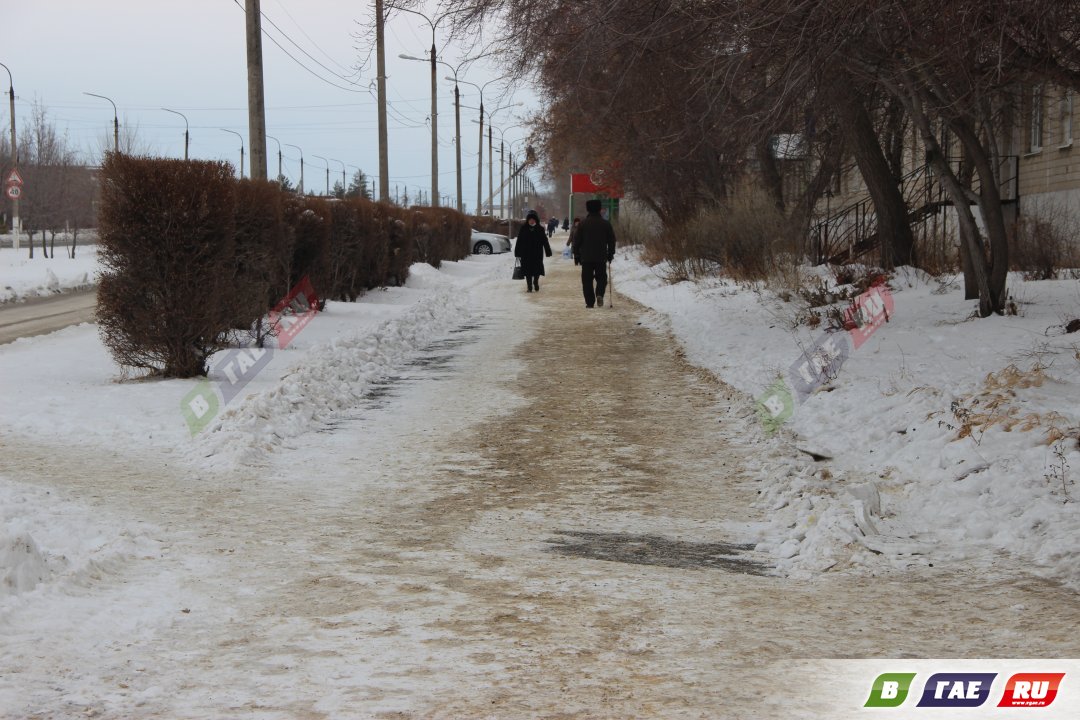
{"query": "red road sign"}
[(14, 178), (14, 192)]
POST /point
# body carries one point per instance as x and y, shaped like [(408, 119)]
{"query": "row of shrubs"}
[(193, 259)]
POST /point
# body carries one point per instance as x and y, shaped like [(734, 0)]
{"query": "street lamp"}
[(15, 227), (434, 24), (517, 175), (491, 153), (327, 162), (457, 119), (279, 175), (186, 136), (480, 151), (241, 149), (434, 115), (116, 122), (502, 152), (300, 189), (457, 137)]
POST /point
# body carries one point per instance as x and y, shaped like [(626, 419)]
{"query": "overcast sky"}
[(189, 56)]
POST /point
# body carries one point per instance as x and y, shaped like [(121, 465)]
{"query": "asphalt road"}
[(45, 315)]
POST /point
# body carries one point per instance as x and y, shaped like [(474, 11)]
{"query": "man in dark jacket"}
[(594, 247)]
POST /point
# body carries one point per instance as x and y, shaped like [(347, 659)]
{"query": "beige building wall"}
[(1046, 142)]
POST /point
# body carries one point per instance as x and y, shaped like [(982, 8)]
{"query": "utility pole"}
[(480, 164), (457, 123), (434, 126), (15, 227), (256, 100), (187, 135), (241, 149), (279, 176), (380, 54), (115, 120), (491, 176), (300, 188)]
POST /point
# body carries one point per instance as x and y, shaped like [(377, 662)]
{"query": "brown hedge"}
[(192, 256), (167, 247)]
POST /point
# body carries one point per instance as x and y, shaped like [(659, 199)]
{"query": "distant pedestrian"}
[(553, 225), (566, 223), (531, 246), (594, 247), (570, 240)]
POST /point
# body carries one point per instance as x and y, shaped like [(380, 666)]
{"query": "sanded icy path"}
[(540, 517)]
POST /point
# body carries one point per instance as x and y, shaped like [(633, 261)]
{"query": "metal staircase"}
[(851, 232)]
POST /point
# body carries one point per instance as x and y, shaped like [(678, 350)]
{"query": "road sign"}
[(14, 192), (14, 178)]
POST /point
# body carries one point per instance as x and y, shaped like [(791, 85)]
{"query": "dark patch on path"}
[(656, 550)]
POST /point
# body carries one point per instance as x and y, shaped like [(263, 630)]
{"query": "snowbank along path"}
[(543, 514)]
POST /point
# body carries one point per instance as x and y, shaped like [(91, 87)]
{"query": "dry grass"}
[(996, 405)]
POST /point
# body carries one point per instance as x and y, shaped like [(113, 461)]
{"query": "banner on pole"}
[(601, 181)]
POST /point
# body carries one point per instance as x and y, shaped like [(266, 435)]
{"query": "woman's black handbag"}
[(519, 272)]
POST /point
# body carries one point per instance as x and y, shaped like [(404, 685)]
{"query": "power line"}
[(285, 10), (272, 39)]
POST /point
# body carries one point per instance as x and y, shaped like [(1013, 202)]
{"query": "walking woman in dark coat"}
[(531, 246)]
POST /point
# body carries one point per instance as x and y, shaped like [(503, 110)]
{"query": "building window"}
[(1035, 133), (1067, 118)]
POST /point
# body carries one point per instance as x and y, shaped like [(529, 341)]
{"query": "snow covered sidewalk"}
[(530, 512), (944, 437)]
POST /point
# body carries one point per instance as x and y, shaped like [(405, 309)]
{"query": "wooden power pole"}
[(380, 54), (256, 99)]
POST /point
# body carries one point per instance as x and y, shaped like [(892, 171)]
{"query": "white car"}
[(487, 243)]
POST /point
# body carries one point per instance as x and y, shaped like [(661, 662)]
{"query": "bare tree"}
[(60, 192)]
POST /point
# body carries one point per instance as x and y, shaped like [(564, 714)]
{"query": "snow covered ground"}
[(948, 436), (328, 543), (22, 277)]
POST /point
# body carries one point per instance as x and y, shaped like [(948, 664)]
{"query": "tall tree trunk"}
[(961, 197), (971, 283), (894, 231), (989, 201), (770, 173)]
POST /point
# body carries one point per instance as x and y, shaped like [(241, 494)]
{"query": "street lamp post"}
[(434, 24), (480, 151), (241, 149), (116, 122), (327, 163), (517, 182), (300, 188), (186, 136), (15, 227), (502, 152), (279, 175), (434, 116)]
